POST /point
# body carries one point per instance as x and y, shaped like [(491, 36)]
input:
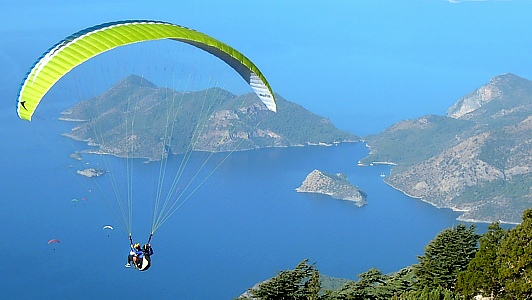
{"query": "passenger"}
[(135, 256)]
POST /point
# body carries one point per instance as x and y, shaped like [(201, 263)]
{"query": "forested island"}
[(167, 121), (335, 185), (477, 159)]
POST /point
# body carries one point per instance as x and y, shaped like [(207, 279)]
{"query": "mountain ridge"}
[(212, 120), (475, 160)]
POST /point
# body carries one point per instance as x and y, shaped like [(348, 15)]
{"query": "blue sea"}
[(242, 226)]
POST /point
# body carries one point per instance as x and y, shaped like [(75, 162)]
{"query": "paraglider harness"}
[(143, 263)]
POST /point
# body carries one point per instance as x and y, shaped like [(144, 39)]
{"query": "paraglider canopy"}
[(90, 42), (108, 227), (53, 241)]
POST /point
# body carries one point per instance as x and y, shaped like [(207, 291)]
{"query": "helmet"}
[(137, 245)]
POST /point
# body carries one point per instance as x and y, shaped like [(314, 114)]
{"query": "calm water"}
[(245, 224)]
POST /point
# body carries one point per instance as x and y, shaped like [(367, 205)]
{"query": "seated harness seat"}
[(146, 259)]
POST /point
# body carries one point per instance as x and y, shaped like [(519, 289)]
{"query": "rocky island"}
[(90, 172), (335, 185)]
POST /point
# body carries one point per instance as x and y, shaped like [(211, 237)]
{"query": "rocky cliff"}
[(337, 186)]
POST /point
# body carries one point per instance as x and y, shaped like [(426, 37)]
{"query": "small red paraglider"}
[(54, 241)]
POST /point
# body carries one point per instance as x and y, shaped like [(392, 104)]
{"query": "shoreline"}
[(485, 222), (387, 163), (98, 150), (454, 209), (462, 212)]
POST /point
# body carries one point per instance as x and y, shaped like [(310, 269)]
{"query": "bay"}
[(242, 226)]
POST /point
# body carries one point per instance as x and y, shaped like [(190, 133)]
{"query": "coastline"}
[(484, 221), (389, 163), (98, 150), (454, 209)]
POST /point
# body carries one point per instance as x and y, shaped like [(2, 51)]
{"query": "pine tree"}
[(445, 256), (427, 293), (300, 283), (314, 286), (402, 281), (515, 260), (482, 274), (370, 286)]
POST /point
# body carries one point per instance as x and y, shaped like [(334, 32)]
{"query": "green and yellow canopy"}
[(87, 43)]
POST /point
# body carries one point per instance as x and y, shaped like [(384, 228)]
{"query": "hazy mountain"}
[(477, 159), (211, 120)]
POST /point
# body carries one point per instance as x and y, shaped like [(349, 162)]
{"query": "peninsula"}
[(335, 185), (475, 160), (173, 122)]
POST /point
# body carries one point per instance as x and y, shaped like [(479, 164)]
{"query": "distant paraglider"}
[(52, 241), (76, 200), (108, 227)]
